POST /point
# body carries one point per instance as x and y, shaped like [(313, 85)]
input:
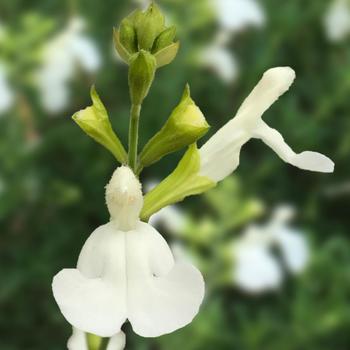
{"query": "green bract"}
[(146, 31), (95, 122), (184, 181), (185, 126)]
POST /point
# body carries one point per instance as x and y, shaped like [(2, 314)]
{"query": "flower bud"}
[(185, 126), (164, 39), (149, 26), (141, 74), (127, 36), (95, 122)]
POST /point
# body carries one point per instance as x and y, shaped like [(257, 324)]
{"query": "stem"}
[(104, 343), (134, 136)]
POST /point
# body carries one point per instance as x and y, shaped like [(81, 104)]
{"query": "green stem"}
[(104, 343), (134, 136)]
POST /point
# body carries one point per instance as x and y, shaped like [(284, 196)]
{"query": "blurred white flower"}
[(235, 15), (337, 20), (61, 55), (219, 156), (6, 93), (256, 269), (171, 218), (126, 270), (219, 58), (78, 341)]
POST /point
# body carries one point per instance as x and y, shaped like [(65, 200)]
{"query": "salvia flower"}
[(256, 269), (78, 341), (127, 271)]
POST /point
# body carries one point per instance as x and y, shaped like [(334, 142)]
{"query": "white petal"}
[(306, 160), (294, 248), (220, 155), (128, 275), (235, 15), (273, 84), (93, 296), (78, 341), (256, 270), (163, 296)]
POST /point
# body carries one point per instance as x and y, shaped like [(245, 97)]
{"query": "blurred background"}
[(52, 176)]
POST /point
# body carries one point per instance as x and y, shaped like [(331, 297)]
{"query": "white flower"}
[(127, 271), (60, 57), (220, 155), (6, 93), (78, 341), (337, 20), (256, 268), (235, 15), (221, 61)]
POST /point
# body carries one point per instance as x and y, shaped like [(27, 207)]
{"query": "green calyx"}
[(95, 342), (141, 75), (185, 126), (94, 121), (184, 181), (146, 31)]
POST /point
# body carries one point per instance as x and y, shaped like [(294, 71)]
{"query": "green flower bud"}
[(94, 121), (149, 26), (164, 39), (185, 126), (141, 74), (184, 181), (127, 36)]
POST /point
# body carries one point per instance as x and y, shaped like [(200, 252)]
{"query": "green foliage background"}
[(53, 193)]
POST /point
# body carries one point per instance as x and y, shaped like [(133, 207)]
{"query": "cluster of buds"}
[(145, 43)]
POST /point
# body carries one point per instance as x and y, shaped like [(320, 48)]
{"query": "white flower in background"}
[(6, 93), (172, 218), (62, 54), (337, 20), (221, 60), (219, 156), (127, 271), (78, 341), (256, 269), (235, 15)]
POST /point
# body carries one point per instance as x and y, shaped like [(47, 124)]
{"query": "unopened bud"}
[(141, 74), (185, 126), (149, 26)]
